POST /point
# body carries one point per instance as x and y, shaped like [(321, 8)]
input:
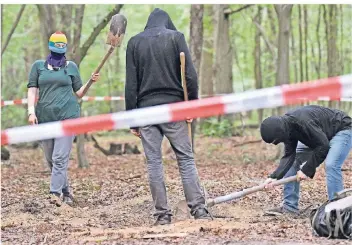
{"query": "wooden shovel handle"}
[(184, 85), (245, 192), (90, 81)]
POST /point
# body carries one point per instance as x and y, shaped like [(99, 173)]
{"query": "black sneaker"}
[(163, 219), (280, 211), (202, 213), (68, 199)]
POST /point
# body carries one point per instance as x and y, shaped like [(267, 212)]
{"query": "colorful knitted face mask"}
[(58, 43)]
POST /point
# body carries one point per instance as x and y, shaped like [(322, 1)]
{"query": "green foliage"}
[(26, 46), (215, 128)]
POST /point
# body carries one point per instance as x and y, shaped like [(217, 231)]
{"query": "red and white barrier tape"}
[(84, 98), (110, 98), (334, 88)]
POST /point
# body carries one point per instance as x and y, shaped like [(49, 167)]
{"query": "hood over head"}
[(159, 18), (274, 130)]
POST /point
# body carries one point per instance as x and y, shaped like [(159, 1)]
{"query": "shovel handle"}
[(245, 192), (183, 75), (184, 85), (90, 81)]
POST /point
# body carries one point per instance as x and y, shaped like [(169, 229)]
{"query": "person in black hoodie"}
[(311, 134), (153, 77)]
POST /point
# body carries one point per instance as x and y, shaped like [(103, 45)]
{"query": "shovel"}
[(245, 192), (182, 210), (117, 32)]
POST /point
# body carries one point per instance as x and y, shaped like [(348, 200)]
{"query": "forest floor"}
[(113, 204)]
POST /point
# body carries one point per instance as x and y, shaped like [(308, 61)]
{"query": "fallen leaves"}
[(114, 203)]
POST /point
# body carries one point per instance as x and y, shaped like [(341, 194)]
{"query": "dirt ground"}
[(114, 205)]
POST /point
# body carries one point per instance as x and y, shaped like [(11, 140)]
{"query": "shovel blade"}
[(117, 30)]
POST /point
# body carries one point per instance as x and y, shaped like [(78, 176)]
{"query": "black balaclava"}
[(274, 130)]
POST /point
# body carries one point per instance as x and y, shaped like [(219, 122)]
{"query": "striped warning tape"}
[(334, 88), (84, 98)]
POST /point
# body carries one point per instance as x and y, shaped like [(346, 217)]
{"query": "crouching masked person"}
[(59, 84), (311, 134)]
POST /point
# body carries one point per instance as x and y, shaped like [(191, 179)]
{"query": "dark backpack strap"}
[(340, 223), (328, 225)]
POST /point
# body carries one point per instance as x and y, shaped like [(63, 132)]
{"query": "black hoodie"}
[(153, 74)]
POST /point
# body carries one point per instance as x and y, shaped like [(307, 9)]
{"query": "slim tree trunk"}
[(319, 43), (206, 64), (47, 16), (223, 52), (196, 45), (206, 73), (330, 19), (305, 16), (196, 34), (283, 12), (257, 60), (293, 52), (300, 44), (341, 41)]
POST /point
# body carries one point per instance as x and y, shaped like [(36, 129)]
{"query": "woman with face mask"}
[(59, 84)]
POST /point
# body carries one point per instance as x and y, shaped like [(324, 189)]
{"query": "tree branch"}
[(266, 40), (66, 22), (19, 15), (97, 29), (79, 13), (229, 11)]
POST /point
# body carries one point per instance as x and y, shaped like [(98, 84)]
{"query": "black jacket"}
[(153, 74), (314, 126)]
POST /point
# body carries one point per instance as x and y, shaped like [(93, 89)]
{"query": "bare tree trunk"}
[(305, 16), (206, 64), (319, 44), (293, 51), (223, 52), (77, 30), (196, 45), (196, 34), (47, 16), (273, 37), (66, 15), (272, 25), (257, 60), (300, 44), (2, 20), (331, 34), (206, 73), (15, 24), (342, 63), (331, 42), (81, 153), (283, 12)]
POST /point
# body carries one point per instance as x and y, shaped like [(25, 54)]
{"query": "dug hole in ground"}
[(114, 205)]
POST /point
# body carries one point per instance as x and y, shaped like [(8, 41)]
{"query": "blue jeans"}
[(340, 146)]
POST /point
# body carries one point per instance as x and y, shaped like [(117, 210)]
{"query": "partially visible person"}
[(59, 84), (311, 134)]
